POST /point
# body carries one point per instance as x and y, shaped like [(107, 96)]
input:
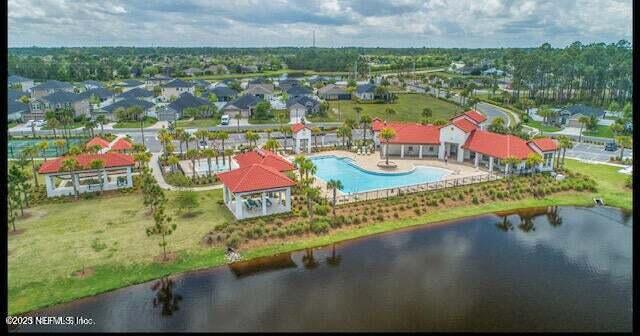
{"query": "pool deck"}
[(370, 162)]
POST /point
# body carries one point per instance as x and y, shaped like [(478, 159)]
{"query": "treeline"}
[(597, 73)]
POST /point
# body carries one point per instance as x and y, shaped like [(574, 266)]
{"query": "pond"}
[(543, 269)]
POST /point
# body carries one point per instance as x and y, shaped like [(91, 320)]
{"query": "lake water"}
[(548, 269), (355, 179)]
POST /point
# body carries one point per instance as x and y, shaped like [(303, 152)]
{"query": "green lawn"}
[(198, 123), (408, 107), (541, 126), (148, 121), (107, 234), (70, 126), (600, 131)]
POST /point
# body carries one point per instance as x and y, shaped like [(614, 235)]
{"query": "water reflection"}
[(165, 296), (479, 274)]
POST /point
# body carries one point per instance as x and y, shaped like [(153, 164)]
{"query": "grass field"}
[(198, 123), (408, 107), (541, 126), (600, 131), (148, 121), (107, 235)]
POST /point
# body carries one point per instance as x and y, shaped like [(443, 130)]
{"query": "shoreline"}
[(113, 277)]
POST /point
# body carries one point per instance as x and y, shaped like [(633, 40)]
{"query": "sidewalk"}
[(157, 174)]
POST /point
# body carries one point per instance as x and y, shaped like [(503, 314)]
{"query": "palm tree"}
[(358, 110), (624, 141), (315, 132), (43, 146), (389, 111), (311, 193), (365, 122), (31, 152), (173, 162), (165, 139), (387, 134), (89, 126), (142, 158), (344, 132), (427, 114), (101, 120), (222, 136), (98, 164), (60, 144), (209, 154), (70, 165), (510, 162), (584, 121), (252, 138), (238, 117), (178, 134), (334, 185), (271, 145), (201, 134), (545, 112), (286, 131), (193, 155), (533, 160), (228, 152), (564, 143)]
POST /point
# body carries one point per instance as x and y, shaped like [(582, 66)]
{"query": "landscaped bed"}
[(107, 234)]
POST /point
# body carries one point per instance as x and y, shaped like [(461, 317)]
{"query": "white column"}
[(322, 140), (460, 153), (105, 178), (441, 150), (491, 164), (264, 203), (420, 152), (48, 180), (225, 194), (507, 167), (402, 151), (309, 145), (129, 178), (75, 179), (239, 214), (297, 145), (477, 160), (287, 199)]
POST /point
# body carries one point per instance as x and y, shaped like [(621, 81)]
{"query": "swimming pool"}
[(355, 179)]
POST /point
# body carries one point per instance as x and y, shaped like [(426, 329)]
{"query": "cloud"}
[(390, 23)]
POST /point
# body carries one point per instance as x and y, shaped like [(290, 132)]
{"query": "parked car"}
[(611, 147), (202, 144), (29, 123), (224, 120), (39, 123)]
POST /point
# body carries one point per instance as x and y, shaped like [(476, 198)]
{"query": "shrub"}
[(474, 199), (380, 218), (97, 245), (417, 211), (321, 210), (233, 240), (304, 213), (320, 226)]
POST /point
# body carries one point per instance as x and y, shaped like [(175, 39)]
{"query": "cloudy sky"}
[(258, 23)]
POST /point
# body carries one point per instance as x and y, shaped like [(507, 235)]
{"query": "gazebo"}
[(121, 145), (256, 190), (301, 137)]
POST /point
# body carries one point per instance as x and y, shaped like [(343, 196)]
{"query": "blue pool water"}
[(355, 179)]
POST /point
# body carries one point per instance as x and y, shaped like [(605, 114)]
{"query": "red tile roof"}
[(407, 133), (264, 157), (97, 141), (295, 128), (475, 116), (545, 144), (464, 124), (377, 124), (121, 144), (497, 145), (84, 161), (254, 177)]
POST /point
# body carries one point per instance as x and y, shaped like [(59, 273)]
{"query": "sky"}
[(337, 23)]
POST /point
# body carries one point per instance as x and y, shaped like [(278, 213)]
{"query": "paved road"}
[(593, 152), (488, 110)]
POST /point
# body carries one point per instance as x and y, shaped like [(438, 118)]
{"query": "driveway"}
[(591, 152)]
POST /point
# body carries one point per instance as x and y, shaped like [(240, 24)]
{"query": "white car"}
[(202, 144), (39, 123), (29, 123), (224, 120)]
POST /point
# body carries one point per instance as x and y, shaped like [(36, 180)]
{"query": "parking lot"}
[(593, 152)]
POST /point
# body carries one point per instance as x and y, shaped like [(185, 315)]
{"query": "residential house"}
[(148, 108), (50, 87), (16, 108), (137, 93), (287, 84), (318, 81), (130, 84), (570, 115), (263, 91), (98, 97), (302, 106), (334, 92), (59, 100), (92, 84), (299, 91), (23, 83), (248, 68), (302, 135), (217, 69), (493, 72), (366, 92), (175, 110), (201, 84), (244, 106), (193, 71), (175, 88), (157, 80), (223, 93)]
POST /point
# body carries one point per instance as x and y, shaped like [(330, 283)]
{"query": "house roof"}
[(299, 90), (121, 144), (62, 97), (187, 100), (126, 103), (584, 110), (259, 80), (464, 124), (245, 102), (264, 157), (257, 89), (110, 160), (410, 133), (97, 141), (497, 145), (475, 116), (223, 91), (545, 144), (53, 85), (131, 82), (17, 79), (365, 88), (295, 128), (136, 93), (15, 106), (93, 82), (332, 89), (100, 92), (303, 100), (254, 177), (178, 83)]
